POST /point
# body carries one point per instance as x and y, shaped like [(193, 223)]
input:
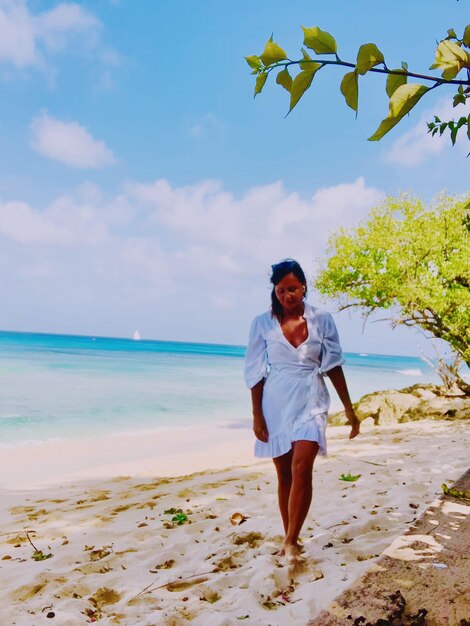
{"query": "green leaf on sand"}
[(38, 555), (455, 493), (350, 478)]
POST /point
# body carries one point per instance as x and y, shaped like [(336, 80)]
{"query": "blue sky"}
[(141, 186)]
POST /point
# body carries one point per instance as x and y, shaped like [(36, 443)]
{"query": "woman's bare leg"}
[(283, 465), (300, 498)]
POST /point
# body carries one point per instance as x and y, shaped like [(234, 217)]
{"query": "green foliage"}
[(409, 259), (455, 493), (394, 81), (350, 478), (179, 517), (319, 40), (272, 53), (451, 59), (452, 126), (260, 81), (38, 555), (300, 84), (350, 89), (368, 57), (403, 99), (284, 79)]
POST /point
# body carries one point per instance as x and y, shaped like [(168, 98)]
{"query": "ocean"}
[(60, 387)]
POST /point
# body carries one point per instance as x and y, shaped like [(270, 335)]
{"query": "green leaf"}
[(284, 79), (254, 62), (402, 101), (180, 518), (368, 56), (451, 59), (350, 478), (38, 555), (300, 84), (350, 89), (451, 34), (260, 81), (394, 81), (309, 65), (456, 493), (459, 99), (466, 36), (272, 53), (319, 40)]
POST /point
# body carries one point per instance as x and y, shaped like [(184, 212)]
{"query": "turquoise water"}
[(62, 386)]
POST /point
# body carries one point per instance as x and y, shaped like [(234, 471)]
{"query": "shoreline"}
[(118, 558), (164, 452)]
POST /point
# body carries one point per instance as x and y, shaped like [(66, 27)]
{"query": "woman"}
[(290, 348)]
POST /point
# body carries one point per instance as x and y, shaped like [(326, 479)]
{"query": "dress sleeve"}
[(256, 362), (331, 353)]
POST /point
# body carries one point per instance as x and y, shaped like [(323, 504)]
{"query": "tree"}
[(411, 260), (452, 58)]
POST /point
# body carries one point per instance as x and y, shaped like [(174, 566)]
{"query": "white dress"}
[(295, 397)]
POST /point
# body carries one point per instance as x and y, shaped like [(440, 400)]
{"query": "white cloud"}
[(54, 27), (69, 142), (206, 125), (25, 37), (82, 221), (22, 224), (154, 246), (233, 238), (417, 145)]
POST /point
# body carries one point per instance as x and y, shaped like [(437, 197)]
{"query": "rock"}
[(418, 402)]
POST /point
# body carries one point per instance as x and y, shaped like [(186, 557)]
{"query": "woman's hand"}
[(260, 429), (353, 421)]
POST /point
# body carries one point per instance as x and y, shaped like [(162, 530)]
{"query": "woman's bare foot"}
[(292, 552)]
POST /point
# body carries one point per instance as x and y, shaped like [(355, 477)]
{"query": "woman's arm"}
[(259, 423), (336, 376)]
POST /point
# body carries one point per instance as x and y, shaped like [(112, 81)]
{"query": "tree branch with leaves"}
[(452, 58), (410, 259)]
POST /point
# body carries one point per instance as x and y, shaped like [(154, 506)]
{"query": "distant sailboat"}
[(136, 335)]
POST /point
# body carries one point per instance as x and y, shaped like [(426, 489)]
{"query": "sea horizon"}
[(57, 386), (180, 341)]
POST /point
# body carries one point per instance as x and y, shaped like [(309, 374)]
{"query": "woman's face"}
[(290, 292)]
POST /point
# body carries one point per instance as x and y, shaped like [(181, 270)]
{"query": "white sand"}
[(118, 559)]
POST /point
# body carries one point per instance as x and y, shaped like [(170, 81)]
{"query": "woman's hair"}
[(279, 270)]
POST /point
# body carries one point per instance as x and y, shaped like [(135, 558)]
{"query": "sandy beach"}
[(143, 535)]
